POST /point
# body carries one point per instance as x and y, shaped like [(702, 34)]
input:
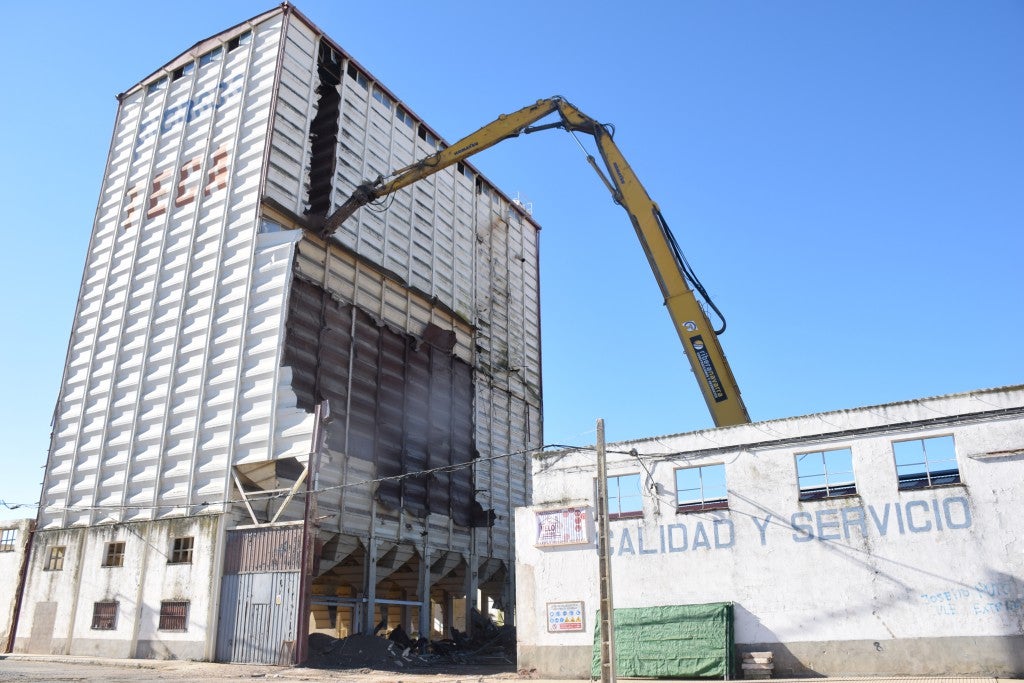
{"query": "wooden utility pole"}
[(605, 564)]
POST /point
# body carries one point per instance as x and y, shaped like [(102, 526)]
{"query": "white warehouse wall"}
[(927, 582), (16, 538), (57, 613)]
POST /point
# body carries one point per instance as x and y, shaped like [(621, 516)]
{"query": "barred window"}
[(181, 551), (104, 615), (174, 615), (114, 556), (8, 539), (55, 560)]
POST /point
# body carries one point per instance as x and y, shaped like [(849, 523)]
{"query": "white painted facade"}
[(14, 542), (883, 581), (176, 388), (58, 616)]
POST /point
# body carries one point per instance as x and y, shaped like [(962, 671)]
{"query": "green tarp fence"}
[(673, 641)]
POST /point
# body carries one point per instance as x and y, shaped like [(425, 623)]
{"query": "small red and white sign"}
[(563, 527)]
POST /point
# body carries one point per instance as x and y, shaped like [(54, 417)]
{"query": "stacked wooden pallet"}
[(758, 665)]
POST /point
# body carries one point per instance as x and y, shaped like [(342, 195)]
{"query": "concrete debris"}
[(491, 648)]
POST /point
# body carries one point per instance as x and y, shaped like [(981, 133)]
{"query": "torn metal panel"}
[(404, 404)]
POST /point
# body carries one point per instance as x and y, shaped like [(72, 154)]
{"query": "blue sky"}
[(847, 179)]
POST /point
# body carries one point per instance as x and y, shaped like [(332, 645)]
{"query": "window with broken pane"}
[(701, 488), (624, 497), (8, 540), (923, 463), (825, 474), (55, 559), (114, 555), (181, 551)]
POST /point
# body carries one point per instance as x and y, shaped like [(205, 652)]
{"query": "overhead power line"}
[(256, 496)]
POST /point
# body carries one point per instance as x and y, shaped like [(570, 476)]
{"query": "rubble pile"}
[(491, 647), (353, 652)]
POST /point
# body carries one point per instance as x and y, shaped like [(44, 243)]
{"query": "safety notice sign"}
[(565, 616)]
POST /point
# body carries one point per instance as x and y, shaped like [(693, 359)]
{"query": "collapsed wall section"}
[(405, 403), (418, 322), (439, 286)]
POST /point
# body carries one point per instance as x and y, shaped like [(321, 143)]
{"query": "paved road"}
[(87, 670)]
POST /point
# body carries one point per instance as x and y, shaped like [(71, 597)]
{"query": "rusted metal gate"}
[(259, 599)]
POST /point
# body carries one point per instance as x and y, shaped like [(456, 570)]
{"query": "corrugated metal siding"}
[(150, 405), (427, 236), (263, 550), (287, 174), (270, 424), (258, 618), (350, 279), (508, 406), (174, 369), (407, 402), (260, 599), (443, 246)]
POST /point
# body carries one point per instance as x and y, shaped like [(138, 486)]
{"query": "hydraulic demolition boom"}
[(700, 339)]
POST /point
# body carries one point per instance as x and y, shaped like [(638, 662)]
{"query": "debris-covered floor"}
[(491, 650)]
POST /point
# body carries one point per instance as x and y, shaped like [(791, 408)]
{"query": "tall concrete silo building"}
[(261, 433)]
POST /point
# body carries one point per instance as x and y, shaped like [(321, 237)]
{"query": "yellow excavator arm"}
[(700, 340)]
